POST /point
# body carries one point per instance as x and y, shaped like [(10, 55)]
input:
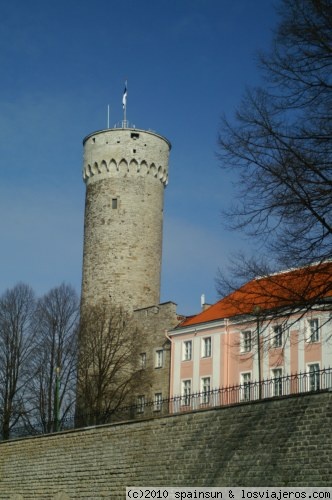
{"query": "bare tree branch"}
[(108, 362), (279, 145), (17, 307), (55, 359)]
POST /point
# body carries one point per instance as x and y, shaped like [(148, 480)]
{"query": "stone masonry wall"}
[(284, 442), (125, 171), (152, 324)]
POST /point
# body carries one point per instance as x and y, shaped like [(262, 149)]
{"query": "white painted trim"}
[(216, 356), (196, 359)]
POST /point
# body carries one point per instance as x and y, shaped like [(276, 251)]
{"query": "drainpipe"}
[(171, 363), (228, 352), (256, 311)]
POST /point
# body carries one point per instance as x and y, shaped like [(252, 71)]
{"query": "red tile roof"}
[(291, 288)]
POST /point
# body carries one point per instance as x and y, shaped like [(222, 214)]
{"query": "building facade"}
[(219, 347), (155, 348)]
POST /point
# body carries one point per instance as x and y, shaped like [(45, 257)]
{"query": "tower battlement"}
[(122, 152)]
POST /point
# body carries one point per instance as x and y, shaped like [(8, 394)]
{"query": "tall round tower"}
[(125, 171)]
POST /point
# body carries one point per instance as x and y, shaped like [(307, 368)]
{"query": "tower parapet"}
[(125, 151), (125, 171)]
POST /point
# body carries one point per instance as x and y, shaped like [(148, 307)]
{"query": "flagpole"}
[(108, 116), (124, 102)]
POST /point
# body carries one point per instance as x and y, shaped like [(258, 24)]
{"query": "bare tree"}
[(17, 307), (52, 388), (280, 145), (108, 362)]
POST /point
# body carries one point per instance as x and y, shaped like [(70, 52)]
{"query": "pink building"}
[(289, 314)]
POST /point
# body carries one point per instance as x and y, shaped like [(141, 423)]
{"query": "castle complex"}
[(125, 171)]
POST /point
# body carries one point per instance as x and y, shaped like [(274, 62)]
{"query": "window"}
[(314, 379), (158, 398), (186, 392), (245, 386), (277, 336), (134, 135), (246, 341), (205, 390), (206, 347), (159, 358), (313, 330), (114, 203), (187, 350), (140, 404), (143, 360), (277, 382)]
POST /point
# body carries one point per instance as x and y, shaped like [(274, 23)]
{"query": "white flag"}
[(124, 98)]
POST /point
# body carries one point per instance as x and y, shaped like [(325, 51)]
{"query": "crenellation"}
[(111, 167)]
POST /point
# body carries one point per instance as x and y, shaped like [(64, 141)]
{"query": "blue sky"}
[(62, 63)]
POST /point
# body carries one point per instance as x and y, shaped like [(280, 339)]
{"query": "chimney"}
[(204, 305)]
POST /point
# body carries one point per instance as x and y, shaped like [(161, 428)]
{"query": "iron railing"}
[(318, 380), (276, 387)]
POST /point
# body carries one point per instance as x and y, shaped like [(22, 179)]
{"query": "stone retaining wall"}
[(282, 442)]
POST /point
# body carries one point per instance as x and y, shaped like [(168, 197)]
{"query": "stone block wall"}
[(282, 442), (152, 325)]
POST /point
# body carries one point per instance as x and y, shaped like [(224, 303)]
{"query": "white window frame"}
[(205, 390), (245, 382), (159, 358), (186, 392), (276, 386), (157, 404), (187, 352), (140, 403), (143, 360), (277, 336), (246, 346), (206, 347), (313, 325), (313, 379)]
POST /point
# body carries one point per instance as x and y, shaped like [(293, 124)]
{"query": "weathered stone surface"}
[(284, 442), (152, 323), (125, 171)]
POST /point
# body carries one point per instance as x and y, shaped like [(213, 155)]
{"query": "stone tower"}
[(125, 171)]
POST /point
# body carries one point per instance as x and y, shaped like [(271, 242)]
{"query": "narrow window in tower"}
[(134, 135), (114, 203)]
